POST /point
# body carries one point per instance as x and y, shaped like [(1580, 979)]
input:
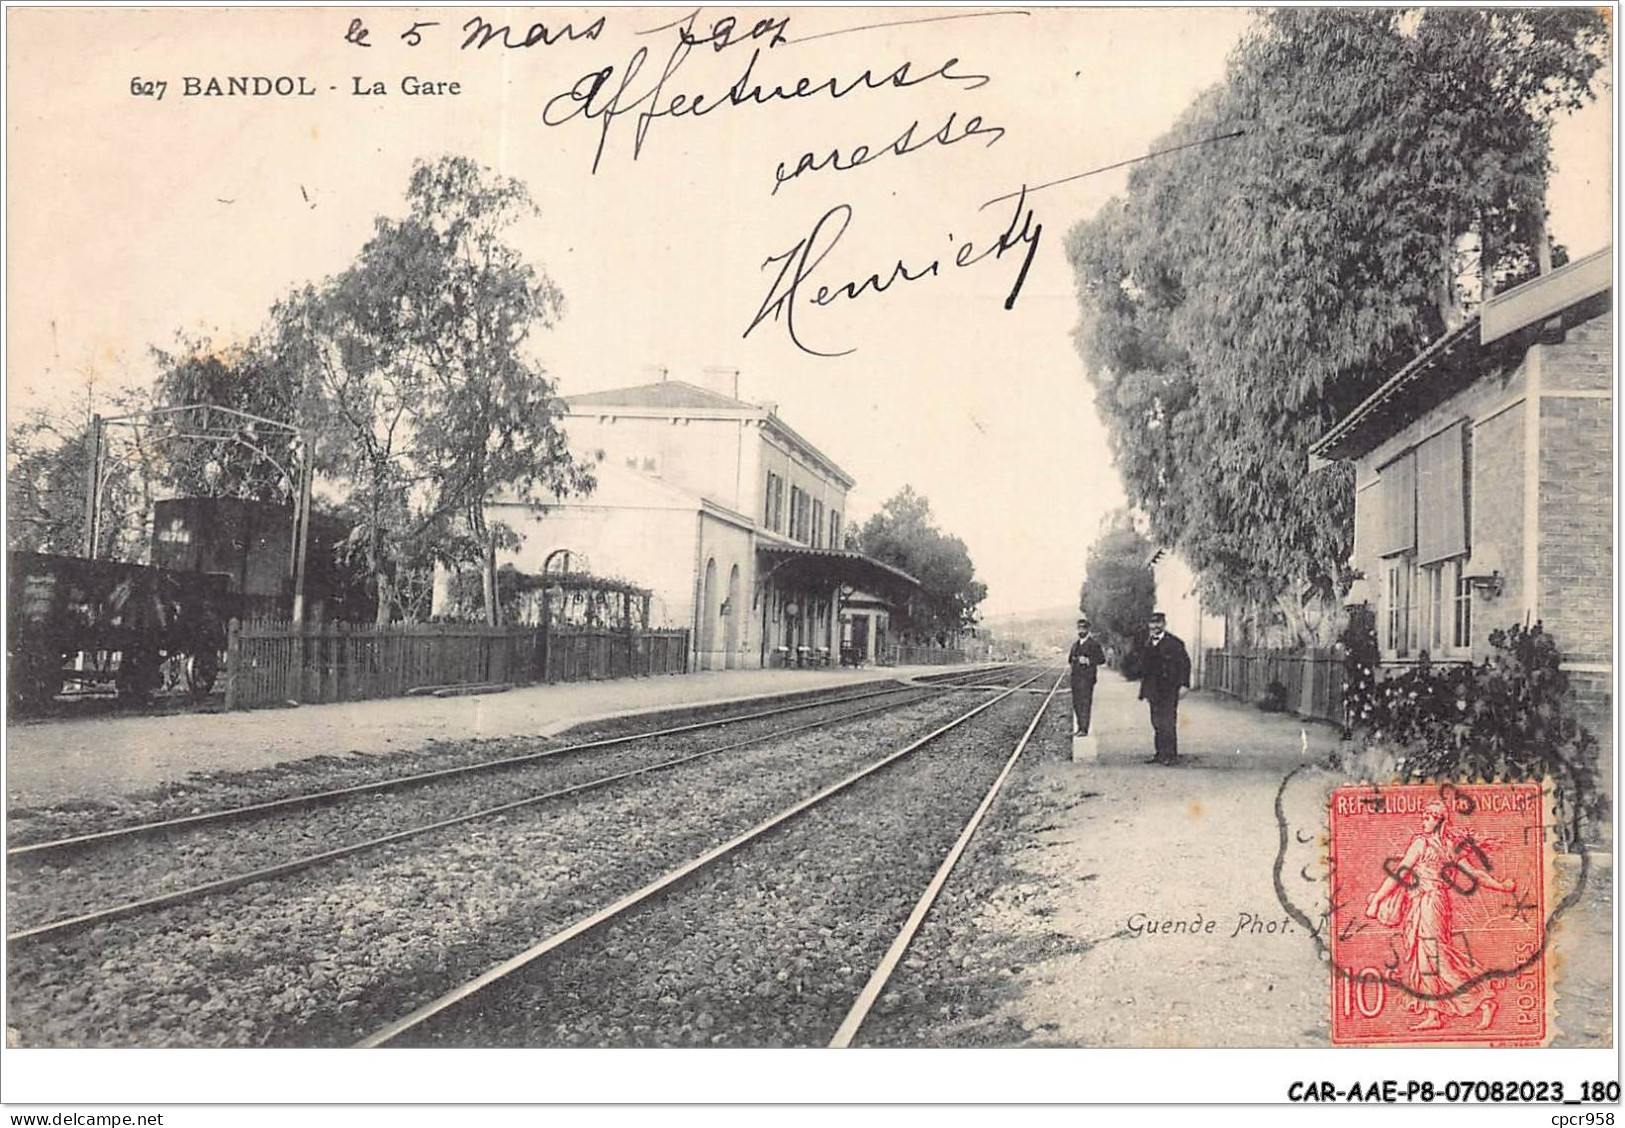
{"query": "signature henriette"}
[(786, 297)]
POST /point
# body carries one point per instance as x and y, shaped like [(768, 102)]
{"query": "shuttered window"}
[(1368, 528), (1398, 489), (1441, 497)]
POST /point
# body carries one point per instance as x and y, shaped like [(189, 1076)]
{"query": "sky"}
[(132, 217)]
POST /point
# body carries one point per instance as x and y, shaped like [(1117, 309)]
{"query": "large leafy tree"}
[(258, 462), (1373, 170), (905, 534), (1118, 588), (48, 455), (423, 357)]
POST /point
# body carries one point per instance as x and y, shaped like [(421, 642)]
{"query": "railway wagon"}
[(100, 621), (252, 543)]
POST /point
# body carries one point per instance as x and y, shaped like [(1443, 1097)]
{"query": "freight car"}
[(135, 626), (100, 621)]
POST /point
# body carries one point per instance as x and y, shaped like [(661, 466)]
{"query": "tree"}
[(48, 479), (421, 353), (1119, 589), (1246, 292), (904, 534), (261, 463)]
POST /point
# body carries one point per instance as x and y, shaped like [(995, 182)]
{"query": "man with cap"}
[(1085, 658), (1165, 669)]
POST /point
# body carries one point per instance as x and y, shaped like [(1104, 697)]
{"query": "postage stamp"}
[(1438, 914)]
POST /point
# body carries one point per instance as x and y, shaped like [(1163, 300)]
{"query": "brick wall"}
[(1584, 358), (1497, 520), (1576, 525), (1594, 706)]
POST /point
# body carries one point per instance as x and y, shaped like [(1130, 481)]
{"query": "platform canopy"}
[(799, 566)]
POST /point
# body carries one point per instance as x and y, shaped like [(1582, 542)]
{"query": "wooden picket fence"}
[(592, 653), (271, 662), (1313, 679)]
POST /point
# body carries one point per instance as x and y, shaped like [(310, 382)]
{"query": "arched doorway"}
[(707, 642), (730, 625)]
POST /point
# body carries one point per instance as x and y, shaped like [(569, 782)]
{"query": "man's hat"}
[(1083, 620), (1158, 617)]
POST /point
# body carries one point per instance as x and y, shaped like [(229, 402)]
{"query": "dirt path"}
[(1120, 904)]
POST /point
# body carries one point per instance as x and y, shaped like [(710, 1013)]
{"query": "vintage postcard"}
[(683, 530)]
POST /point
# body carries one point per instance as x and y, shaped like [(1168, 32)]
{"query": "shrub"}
[(1274, 699), (1360, 660), (1509, 717)]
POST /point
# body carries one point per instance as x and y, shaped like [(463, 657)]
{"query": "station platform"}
[(52, 761)]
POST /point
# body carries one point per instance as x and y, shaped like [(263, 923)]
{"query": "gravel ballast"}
[(214, 791), (966, 961), (51, 887), (771, 946), (324, 957)]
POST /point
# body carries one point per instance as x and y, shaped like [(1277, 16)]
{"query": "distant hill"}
[(1040, 629)]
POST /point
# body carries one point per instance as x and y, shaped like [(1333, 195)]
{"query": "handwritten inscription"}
[(480, 33), (689, 68), (786, 297), (609, 93), (904, 145)]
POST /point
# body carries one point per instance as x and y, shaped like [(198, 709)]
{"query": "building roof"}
[(1437, 372), (678, 396), (1459, 357), (665, 394), (839, 564)]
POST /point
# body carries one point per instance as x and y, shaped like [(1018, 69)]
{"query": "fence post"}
[(233, 661)]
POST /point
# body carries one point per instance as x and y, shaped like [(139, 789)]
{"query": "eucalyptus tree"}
[(423, 358), (1360, 177)]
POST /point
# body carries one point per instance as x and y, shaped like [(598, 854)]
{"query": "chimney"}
[(720, 379), (656, 373)]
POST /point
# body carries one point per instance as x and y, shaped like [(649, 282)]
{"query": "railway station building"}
[(1483, 485), (734, 521)]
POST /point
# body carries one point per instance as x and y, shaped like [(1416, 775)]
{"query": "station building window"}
[(773, 510), (797, 531), (1426, 602)]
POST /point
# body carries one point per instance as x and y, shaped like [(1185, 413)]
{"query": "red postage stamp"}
[(1438, 914)]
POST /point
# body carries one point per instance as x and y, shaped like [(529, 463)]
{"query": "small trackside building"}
[(1484, 485)]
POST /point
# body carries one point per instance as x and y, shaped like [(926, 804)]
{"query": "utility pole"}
[(301, 529), (93, 493)]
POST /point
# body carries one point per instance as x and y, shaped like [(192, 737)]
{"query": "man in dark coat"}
[(1165, 669), (1085, 658)]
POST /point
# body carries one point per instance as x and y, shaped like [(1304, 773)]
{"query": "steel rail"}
[(894, 955), (69, 925), (315, 798), (507, 967)]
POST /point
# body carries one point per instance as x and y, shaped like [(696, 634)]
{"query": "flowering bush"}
[(1509, 717)]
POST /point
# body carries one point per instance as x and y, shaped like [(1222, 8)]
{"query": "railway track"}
[(321, 958), (192, 872), (522, 1003), (68, 844)]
